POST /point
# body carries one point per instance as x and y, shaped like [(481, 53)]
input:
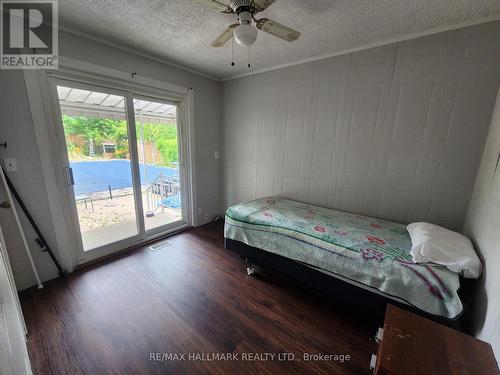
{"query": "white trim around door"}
[(51, 148)]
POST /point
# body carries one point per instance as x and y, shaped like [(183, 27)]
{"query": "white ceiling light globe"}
[(245, 35)]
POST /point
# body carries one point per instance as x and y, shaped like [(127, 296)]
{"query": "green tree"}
[(97, 130), (168, 150), (94, 130), (163, 136)]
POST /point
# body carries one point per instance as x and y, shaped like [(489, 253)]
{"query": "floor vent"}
[(160, 245)]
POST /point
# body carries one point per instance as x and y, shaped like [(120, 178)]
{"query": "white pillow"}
[(432, 243)]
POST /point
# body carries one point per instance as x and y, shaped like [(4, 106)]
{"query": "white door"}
[(14, 359), (123, 161)]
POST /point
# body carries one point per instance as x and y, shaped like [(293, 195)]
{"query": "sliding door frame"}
[(180, 149), (46, 112)]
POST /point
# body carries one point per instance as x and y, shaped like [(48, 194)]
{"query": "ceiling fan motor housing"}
[(239, 6)]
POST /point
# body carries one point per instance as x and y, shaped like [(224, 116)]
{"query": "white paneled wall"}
[(481, 225), (395, 131)]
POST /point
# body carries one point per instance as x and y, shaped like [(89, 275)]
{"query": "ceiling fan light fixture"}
[(245, 35)]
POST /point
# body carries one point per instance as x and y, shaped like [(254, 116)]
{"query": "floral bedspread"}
[(371, 251)]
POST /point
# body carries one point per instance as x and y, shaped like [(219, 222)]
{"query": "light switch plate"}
[(10, 165)]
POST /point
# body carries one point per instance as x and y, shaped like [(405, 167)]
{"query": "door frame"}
[(180, 149), (45, 113)]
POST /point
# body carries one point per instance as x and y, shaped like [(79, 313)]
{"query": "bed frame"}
[(372, 305)]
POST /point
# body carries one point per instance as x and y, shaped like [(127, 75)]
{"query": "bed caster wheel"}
[(250, 270)]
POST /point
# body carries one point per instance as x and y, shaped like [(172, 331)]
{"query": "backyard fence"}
[(76, 139), (149, 152)]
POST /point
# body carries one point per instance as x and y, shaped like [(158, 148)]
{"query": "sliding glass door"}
[(97, 144), (124, 171), (158, 151)]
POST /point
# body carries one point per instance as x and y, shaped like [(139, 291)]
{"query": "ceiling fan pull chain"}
[(248, 56), (232, 51)]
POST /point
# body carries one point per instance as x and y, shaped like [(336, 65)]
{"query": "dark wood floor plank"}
[(191, 297)]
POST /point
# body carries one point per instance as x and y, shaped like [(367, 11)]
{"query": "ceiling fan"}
[(243, 31)]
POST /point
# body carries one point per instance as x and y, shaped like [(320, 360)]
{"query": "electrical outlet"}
[(200, 211), (10, 165), (216, 154)]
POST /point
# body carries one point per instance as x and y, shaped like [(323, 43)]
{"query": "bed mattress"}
[(370, 251)]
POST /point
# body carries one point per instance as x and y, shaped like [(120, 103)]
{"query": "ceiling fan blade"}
[(260, 5), (224, 37), (216, 4), (277, 29)]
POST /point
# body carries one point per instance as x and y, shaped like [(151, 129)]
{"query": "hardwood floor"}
[(191, 297)]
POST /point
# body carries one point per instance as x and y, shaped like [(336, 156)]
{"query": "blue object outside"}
[(96, 176)]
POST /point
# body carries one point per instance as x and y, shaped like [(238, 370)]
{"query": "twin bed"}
[(326, 245)]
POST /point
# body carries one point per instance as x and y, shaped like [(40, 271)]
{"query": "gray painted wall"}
[(394, 132), (16, 127), (481, 225)]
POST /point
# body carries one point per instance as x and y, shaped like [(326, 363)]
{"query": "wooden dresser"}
[(410, 344)]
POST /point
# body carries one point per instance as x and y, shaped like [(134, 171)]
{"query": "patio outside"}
[(105, 215)]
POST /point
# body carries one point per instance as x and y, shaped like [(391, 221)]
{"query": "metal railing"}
[(161, 188)]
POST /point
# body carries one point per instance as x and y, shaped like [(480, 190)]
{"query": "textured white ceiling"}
[(180, 31)]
